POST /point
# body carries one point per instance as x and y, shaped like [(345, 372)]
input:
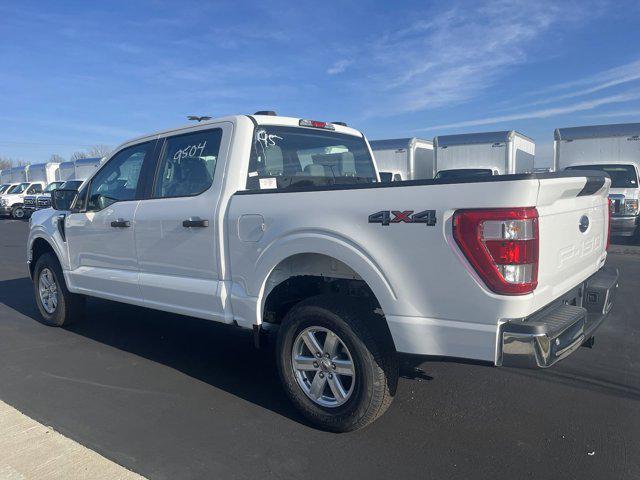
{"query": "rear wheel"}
[(58, 307), (337, 362), (18, 212)]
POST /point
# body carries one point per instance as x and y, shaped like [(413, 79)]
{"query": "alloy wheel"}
[(323, 366)]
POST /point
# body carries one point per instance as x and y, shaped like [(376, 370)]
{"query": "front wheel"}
[(57, 305), (18, 212), (337, 362)]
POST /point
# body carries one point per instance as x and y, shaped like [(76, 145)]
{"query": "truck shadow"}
[(222, 356)]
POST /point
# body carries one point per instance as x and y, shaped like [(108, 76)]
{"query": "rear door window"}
[(188, 163)]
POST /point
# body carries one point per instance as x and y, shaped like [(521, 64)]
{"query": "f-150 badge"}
[(387, 217)]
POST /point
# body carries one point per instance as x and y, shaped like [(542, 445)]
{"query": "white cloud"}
[(339, 67), (617, 114), (543, 113), (459, 53), (627, 73)]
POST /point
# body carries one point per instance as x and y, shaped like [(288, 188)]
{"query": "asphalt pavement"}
[(173, 397)]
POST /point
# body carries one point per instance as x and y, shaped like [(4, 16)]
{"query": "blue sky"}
[(77, 73)]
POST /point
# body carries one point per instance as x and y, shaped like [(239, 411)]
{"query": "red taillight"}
[(502, 247), (610, 209)]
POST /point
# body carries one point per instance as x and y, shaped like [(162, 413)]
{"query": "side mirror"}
[(62, 199)]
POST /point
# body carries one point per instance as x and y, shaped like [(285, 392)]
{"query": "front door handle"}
[(195, 222), (120, 223)]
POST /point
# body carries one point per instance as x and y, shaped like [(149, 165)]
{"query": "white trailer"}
[(19, 174), (77, 169), (85, 167), (404, 158), (491, 153), (66, 171), (42, 172), (614, 149), (5, 176)]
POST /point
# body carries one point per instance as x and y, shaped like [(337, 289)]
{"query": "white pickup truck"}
[(12, 201), (281, 225)]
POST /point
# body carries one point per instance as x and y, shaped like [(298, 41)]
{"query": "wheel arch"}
[(40, 245), (320, 256)]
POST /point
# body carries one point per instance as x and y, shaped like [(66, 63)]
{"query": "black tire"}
[(18, 212), (369, 342), (70, 306)]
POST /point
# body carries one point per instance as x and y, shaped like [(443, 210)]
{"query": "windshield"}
[(3, 188), (464, 172), (21, 187), (284, 157), (71, 185), (52, 186), (622, 176)]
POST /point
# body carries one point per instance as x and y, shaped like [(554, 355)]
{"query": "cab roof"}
[(259, 119)]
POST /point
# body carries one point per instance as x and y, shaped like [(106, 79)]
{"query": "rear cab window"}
[(284, 157)]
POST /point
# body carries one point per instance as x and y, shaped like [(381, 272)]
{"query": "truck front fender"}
[(44, 227)]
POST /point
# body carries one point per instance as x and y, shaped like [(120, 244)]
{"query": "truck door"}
[(100, 236), (177, 231)]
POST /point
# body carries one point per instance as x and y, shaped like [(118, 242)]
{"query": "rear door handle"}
[(195, 222), (120, 223)]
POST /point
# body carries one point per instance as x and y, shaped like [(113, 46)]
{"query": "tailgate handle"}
[(195, 222)]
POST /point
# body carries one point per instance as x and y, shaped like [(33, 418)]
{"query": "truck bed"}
[(417, 272)]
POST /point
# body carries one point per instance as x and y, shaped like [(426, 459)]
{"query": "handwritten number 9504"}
[(190, 151)]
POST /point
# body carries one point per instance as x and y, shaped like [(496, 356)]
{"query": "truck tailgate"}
[(573, 223)]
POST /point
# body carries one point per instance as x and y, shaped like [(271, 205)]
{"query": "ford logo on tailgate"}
[(584, 223)]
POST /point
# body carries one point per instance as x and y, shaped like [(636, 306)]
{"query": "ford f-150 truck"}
[(281, 225)]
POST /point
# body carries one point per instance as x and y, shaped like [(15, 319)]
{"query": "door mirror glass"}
[(62, 199)]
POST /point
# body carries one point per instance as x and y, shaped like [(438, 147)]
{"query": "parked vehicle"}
[(10, 188), (66, 171), (280, 225), (614, 150), (42, 172), (502, 153), (12, 202), (404, 158), (77, 169), (18, 174), (72, 184), (4, 187), (35, 202)]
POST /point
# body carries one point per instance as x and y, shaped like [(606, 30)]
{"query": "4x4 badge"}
[(387, 217)]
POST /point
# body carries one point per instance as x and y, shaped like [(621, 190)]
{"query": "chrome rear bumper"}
[(559, 329)]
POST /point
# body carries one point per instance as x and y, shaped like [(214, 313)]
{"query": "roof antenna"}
[(198, 119)]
